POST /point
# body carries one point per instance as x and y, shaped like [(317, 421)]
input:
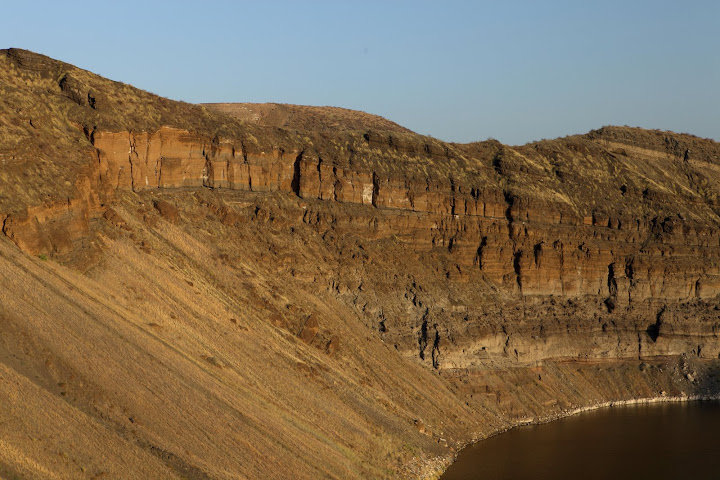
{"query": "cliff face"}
[(518, 241), (425, 293), (522, 246)]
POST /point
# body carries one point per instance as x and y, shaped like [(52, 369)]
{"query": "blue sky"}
[(460, 71)]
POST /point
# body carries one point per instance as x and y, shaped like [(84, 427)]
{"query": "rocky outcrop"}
[(55, 227), (519, 243), (171, 158)]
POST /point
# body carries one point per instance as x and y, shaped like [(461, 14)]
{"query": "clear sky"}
[(460, 71)]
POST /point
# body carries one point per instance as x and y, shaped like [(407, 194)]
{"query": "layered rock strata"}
[(525, 247)]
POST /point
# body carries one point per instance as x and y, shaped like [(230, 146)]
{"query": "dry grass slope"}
[(331, 120)]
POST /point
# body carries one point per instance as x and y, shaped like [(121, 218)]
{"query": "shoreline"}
[(610, 404), (577, 411)]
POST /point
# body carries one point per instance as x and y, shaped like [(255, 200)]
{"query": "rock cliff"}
[(333, 265)]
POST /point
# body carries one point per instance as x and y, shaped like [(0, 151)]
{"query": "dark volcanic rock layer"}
[(343, 286)]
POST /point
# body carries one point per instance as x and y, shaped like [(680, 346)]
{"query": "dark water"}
[(659, 441)]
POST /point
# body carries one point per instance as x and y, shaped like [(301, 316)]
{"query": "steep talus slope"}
[(246, 290)]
